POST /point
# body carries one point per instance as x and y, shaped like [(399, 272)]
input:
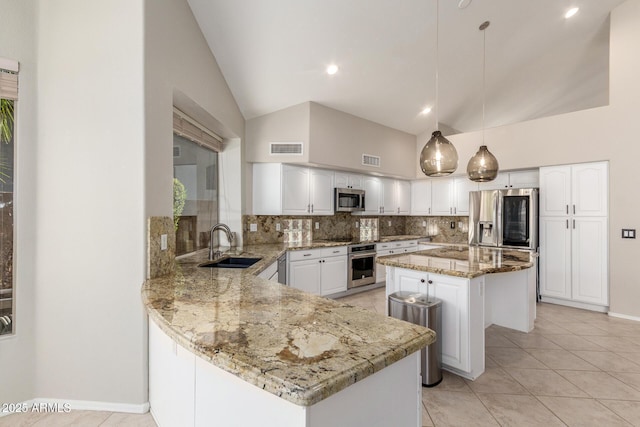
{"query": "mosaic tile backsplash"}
[(347, 226)]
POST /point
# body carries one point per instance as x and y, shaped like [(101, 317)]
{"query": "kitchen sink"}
[(230, 262)]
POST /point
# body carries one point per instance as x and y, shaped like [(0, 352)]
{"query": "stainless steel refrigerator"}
[(504, 218)]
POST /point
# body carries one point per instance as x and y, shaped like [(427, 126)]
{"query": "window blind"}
[(8, 79), (194, 131)]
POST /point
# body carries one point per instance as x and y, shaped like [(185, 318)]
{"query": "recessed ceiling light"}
[(426, 111), (571, 12), (332, 69)]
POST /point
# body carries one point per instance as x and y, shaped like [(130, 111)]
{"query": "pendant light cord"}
[(483, 27), (437, 60)]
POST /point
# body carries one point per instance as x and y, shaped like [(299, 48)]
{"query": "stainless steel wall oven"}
[(362, 265)]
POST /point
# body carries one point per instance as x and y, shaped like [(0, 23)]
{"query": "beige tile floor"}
[(577, 368)]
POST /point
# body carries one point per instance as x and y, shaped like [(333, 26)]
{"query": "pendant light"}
[(438, 157), (483, 166)]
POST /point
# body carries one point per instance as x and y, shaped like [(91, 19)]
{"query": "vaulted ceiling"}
[(274, 54)]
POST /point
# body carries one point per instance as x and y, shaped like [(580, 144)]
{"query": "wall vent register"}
[(285, 148), (369, 160)]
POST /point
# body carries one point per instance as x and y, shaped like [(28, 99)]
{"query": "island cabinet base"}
[(185, 390)]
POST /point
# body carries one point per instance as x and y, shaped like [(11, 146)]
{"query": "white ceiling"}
[(273, 54)]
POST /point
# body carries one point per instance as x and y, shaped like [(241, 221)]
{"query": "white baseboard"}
[(624, 316), (575, 304), (80, 405)]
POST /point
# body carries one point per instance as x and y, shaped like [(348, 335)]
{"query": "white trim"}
[(624, 316), (574, 304), (9, 65), (86, 405)]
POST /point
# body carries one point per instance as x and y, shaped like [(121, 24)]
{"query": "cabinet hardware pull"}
[(430, 282), (429, 210), (306, 255), (567, 209), (574, 209), (567, 224), (336, 252), (308, 208), (398, 210), (574, 224), (421, 280)]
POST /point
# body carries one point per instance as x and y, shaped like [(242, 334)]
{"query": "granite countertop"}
[(462, 261), (298, 346)]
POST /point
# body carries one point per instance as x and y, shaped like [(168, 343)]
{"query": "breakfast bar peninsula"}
[(478, 287), (229, 348)]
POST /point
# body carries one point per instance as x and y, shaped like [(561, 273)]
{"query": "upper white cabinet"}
[(349, 180), (421, 197), (515, 179), (580, 189), (386, 196), (450, 196), (291, 190)]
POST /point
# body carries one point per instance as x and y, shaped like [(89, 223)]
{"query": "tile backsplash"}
[(280, 228), (160, 262)]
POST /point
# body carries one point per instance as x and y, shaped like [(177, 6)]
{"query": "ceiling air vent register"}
[(294, 148), (369, 160)]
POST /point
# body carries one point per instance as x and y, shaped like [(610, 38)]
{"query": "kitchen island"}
[(478, 286), (229, 348)]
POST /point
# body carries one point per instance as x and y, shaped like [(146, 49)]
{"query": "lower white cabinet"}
[(392, 248), (573, 260), (462, 326), (318, 271)]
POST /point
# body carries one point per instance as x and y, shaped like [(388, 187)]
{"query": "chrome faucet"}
[(215, 254)]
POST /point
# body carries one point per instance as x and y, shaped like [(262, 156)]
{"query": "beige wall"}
[(17, 353), (605, 133), (287, 125), (339, 140)]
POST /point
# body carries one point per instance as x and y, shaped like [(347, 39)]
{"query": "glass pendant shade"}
[(483, 166), (439, 157)]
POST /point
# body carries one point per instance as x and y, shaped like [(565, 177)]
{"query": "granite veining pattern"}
[(461, 261), (160, 262), (298, 346)]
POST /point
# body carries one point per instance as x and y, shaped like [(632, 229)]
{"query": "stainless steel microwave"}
[(349, 200)]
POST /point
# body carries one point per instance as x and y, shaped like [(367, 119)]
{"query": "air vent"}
[(369, 160), (294, 148), (176, 151)]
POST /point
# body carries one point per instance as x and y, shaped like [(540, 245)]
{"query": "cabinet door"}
[(342, 180), (347, 180), (555, 190), (403, 197), (462, 187), (295, 190), (381, 270), (501, 182), (305, 275), (524, 179), (555, 257), (356, 181), (321, 192), (454, 294), (333, 275), (589, 185), (421, 197), (441, 196), (388, 197), (410, 281), (589, 276), (372, 201)]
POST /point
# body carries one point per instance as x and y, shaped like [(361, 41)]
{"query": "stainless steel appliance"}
[(349, 200), (282, 269), (504, 218), (362, 265)]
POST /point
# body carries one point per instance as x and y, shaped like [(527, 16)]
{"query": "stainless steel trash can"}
[(421, 310)]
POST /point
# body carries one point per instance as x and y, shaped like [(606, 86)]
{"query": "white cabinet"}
[(515, 179), (574, 235), (451, 196), (270, 273), (462, 332), (386, 196), (348, 180), (291, 190), (318, 271), (574, 190), (421, 197), (392, 248)]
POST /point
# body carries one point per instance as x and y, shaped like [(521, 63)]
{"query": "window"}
[(8, 98), (195, 181)]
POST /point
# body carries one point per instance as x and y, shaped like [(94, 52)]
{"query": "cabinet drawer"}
[(306, 254), (334, 251)]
